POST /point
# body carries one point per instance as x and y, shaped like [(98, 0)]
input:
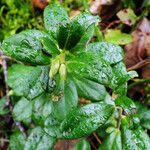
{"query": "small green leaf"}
[(3, 110), (126, 103), (23, 110), (54, 17), (17, 141), (127, 16), (25, 80), (112, 141), (64, 98), (116, 37), (82, 145), (109, 52), (84, 120), (39, 140), (26, 47)]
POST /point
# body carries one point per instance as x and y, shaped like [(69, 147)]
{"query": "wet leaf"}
[(109, 52), (54, 17), (26, 47), (64, 98), (25, 80), (39, 140), (84, 120), (89, 89), (17, 141), (22, 111), (112, 141), (127, 104)]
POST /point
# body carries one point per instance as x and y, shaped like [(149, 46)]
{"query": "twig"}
[(8, 101), (140, 64), (4, 65), (112, 24), (97, 138)]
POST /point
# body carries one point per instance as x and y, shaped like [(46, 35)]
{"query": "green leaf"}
[(112, 141), (64, 98), (82, 145), (55, 16), (144, 115), (50, 46), (126, 103), (116, 37), (25, 80), (75, 32), (134, 138), (84, 120), (109, 52), (3, 110), (127, 16), (39, 140), (26, 47), (89, 89), (121, 76), (90, 66), (52, 126), (42, 108), (17, 141), (23, 110)]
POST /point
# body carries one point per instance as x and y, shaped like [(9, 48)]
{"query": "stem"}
[(98, 34), (141, 81), (120, 117), (97, 138)]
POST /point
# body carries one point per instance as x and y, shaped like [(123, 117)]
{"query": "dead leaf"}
[(127, 16), (105, 8), (139, 48), (41, 4)]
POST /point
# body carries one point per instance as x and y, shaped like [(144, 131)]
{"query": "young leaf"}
[(23, 110), (112, 141), (126, 103), (17, 141), (39, 140), (70, 35), (26, 47), (25, 80), (64, 98), (54, 17), (82, 145), (109, 52), (84, 120)]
